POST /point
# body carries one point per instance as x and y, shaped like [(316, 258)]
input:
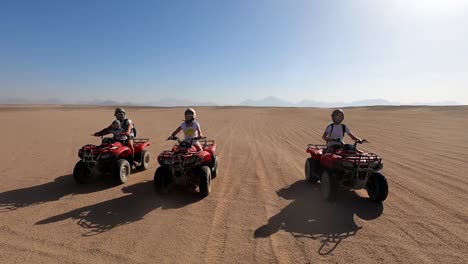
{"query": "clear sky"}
[(230, 51)]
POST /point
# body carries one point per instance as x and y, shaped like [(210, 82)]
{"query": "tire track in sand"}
[(216, 245)]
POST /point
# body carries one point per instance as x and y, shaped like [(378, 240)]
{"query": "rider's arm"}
[(325, 134), (176, 131), (103, 132), (200, 134), (351, 135)]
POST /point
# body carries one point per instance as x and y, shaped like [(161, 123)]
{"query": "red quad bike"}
[(345, 169), (184, 165), (111, 157)]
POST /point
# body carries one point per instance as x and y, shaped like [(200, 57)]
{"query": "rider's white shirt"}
[(190, 131), (337, 132)]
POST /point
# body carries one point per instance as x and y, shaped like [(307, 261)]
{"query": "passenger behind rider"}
[(334, 133), (191, 129)]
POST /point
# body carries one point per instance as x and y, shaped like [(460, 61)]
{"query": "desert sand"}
[(260, 210)]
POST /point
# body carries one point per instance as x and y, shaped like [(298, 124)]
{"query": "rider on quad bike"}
[(340, 166), (127, 126), (191, 162), (190, 127), (117, 155), (335, 132), (110, 157)]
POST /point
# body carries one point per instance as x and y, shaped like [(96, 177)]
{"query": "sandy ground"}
[(260, 209)]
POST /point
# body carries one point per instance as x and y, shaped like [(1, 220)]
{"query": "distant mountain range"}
[(275, 101), (166, 102), (265, 102)]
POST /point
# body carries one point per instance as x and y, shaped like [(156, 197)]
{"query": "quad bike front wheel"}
[(377, 187), (311, 168), (82, 174), (329, 186), (161, 180), (205, 181), (145, 160), (121, 171)]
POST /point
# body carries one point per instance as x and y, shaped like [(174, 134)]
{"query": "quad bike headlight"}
[(347, 164), (105, 156), (191, 160)]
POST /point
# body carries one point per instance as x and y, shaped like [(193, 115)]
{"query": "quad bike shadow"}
[(309, 216), (51, 191), (104, 216)]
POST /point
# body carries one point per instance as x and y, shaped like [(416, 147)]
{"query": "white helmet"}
[(336, 112), (191, 111)]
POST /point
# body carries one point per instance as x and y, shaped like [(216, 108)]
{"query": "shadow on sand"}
[(310, 216), (47, 192), (106, 215)]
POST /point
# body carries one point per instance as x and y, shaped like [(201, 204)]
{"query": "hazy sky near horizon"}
[(230, 51)]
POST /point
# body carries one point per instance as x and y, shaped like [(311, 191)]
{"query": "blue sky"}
[(230, 51)]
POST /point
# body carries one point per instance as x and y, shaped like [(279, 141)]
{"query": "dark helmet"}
[(335, 112), (119, 110), (191, 111)]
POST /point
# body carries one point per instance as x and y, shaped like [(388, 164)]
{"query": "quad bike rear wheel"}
[(121, 171), (82, 174), (205, 181), (329, 186), (145, 160), (377, 187), (311, 167)]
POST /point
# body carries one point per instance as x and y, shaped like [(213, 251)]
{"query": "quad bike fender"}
[(140, 146), (211, 149), (315, 153), (328, 160), (123, 153), (205, 158)]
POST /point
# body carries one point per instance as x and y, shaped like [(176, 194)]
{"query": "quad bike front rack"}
[(362, 165)]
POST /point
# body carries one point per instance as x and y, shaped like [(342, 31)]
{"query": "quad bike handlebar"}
[(362, 141), (356, 141)]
